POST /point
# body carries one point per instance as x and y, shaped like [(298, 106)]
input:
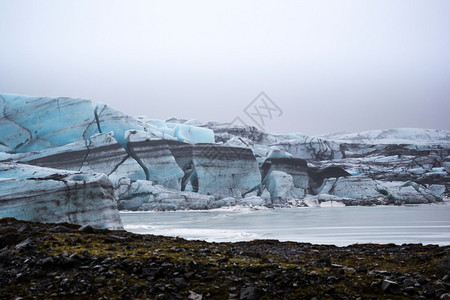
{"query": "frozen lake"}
[(427, 224)]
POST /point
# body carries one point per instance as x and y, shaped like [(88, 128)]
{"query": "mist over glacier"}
[(331, 66)]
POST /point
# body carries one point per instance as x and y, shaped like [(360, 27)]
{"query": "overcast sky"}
[(328, 65)]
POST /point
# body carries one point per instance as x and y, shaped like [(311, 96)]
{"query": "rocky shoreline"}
[(67, 261)]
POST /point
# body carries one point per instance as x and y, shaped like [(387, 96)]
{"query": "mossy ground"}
[(60, 261)]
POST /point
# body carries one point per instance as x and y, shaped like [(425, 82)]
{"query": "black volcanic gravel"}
[(64, 261)]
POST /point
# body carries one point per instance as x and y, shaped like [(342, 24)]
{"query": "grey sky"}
[(329, 65)]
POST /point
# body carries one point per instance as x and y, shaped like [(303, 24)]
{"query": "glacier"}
[(150, 164), (37, 123), (49, 195)]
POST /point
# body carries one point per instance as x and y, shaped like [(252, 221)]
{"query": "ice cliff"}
[(150, 164), (48, 195)]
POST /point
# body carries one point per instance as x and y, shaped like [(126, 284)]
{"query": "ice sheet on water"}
[(321, 225), (210, 235)]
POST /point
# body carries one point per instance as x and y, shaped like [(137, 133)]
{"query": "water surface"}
[(427, 224)]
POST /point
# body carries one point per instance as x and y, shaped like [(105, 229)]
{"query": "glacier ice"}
[(281, 187), (37, 123), (111, 120), (187, 132), (225, 171), (365, 188), (101, 154), (295, 167), (275, 152), (417, 136), (157, 160), (192, 134), (50, 195), (186, 164)]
